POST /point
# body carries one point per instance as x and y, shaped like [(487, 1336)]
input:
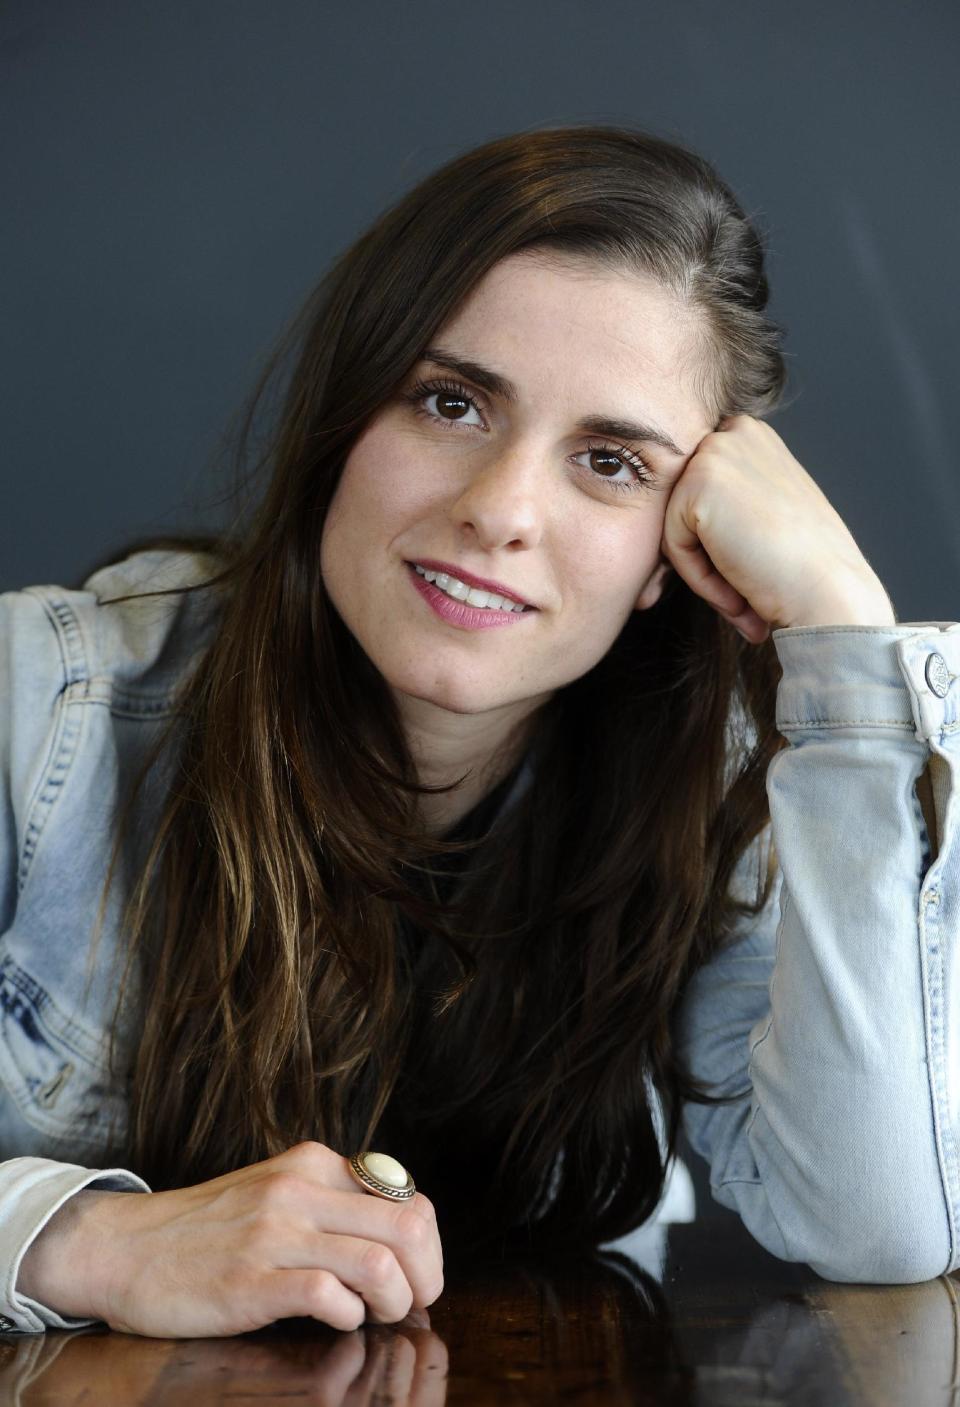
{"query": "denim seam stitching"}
[(756, 1046), (78, 1039), (124, 705), (67, 729), (845, 723), (822, 630), (931, 966), (770, 986)]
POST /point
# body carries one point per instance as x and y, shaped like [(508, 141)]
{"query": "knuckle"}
[(265, 1231), (427, 1205), (308, 1152), (321, 1292), (279, 1188), (377, 1264), (412, 1231)]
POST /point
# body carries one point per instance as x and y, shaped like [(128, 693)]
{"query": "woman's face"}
[(508, 486)]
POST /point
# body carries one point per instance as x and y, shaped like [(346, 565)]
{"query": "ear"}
[(653, 589)]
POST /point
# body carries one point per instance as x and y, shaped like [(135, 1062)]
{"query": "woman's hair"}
[(302, 975)]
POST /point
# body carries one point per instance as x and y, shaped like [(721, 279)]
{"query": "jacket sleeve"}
[(31, 1188), (834, 1019)]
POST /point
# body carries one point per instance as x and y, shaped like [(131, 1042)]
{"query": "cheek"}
[(387, 482), (372, 491), (612, 560)]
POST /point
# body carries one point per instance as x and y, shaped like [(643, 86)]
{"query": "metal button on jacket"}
[(937, 675)]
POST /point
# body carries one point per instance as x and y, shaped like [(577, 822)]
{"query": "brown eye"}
[(614, 461), (449, 397), (447, 400), (607, 458)]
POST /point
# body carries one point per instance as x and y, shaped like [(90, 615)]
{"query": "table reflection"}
[(725, 1325)]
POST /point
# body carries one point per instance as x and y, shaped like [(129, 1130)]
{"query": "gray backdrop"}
[(177, 176)]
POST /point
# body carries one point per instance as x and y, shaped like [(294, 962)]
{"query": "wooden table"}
[(729, 1326)]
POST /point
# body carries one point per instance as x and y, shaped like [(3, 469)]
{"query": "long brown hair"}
[(302, 974)]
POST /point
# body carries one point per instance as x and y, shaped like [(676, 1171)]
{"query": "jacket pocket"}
[(55, 1069)]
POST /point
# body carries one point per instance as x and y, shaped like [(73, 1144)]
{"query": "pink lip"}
[(458, 612), (481, 583)]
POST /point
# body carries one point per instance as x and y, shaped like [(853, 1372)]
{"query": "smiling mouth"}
[(476, 597)]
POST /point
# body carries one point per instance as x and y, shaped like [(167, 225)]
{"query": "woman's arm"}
[(32, 1189), (291, 1235), (32, 1192), (836, 1014)]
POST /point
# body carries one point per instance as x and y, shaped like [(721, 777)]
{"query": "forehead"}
[(589, 338)]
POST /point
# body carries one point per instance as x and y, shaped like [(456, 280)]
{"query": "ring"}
[(382, 1175)]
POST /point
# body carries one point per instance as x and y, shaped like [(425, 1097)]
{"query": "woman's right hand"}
[(292, 1235)]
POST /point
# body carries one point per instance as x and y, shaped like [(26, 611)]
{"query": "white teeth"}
[(470, 595)]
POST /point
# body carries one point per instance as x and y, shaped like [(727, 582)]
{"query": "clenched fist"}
[(747, 529), (292, 1235)]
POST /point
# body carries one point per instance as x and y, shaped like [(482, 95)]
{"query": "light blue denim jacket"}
[(835, 1015)]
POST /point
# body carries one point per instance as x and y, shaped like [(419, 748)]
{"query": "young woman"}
[(539, 764)]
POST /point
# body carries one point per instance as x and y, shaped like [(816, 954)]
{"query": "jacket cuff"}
[(31, 1190), (874, 676)]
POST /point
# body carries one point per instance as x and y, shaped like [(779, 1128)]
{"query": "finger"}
[(751, 626), (369, 1268), (316, 1294), (413, 1239), (322, 1164), (697, 570), (423, 1206), (318, 1163), (700, 574)]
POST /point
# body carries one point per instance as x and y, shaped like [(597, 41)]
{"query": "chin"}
[(453, 693), (456, 699)]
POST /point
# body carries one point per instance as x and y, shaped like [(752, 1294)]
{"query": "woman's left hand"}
[(747, 529)]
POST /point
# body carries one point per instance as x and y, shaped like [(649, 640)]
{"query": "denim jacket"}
[(832, 1016)]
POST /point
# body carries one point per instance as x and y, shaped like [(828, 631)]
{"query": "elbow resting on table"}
[(907, 1267), (905, 1255), (891, 1231), (877, 1241)]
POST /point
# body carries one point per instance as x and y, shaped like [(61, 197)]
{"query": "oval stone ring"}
[(383, 1176)]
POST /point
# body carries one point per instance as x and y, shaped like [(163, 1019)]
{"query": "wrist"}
[(64, 1265), (857, 604)]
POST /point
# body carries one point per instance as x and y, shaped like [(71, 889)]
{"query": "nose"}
[(504, 501)]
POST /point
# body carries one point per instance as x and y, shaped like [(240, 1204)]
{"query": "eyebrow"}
[(491, 381)]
